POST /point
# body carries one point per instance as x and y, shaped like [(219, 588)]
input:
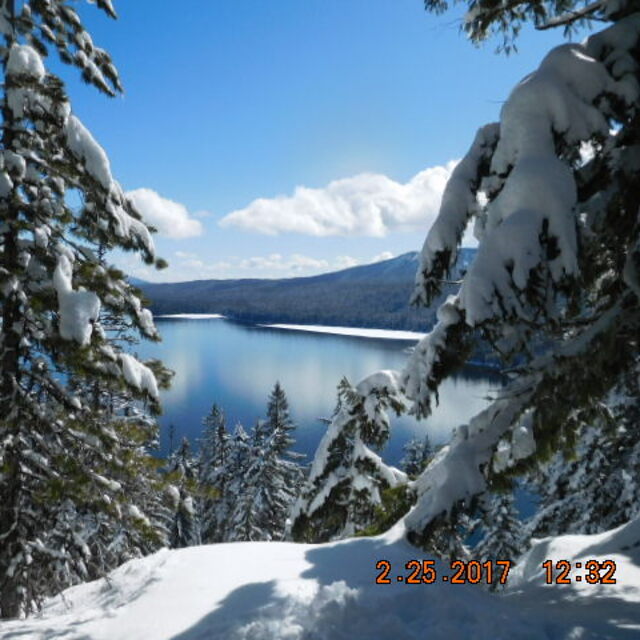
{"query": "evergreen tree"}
[(280, 428), (344, 486), (239, 460), (126, 514), (213, 474), (182, 472), (504, 536), (449, 540), (60, 462), (595, 486), (273, 476), (553, 289), (242, 521), (417, 453)]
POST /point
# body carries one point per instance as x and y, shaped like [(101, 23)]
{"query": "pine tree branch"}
[(570, 16)]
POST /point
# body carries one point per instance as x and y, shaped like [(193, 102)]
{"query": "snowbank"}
[(286, 591), (191, 316), (386, 334)]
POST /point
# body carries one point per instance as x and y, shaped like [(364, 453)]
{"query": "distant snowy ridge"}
[(286, 591)]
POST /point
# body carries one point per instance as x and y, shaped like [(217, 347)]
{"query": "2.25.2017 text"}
[(424, 572)]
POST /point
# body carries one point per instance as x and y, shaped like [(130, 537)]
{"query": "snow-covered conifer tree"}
[(213, 475), (594, 486), (552, 189), (272, 477), (417, 453), (239, 459), (56, 456), (182, 473), (280, 427), (128, 516), (346, 478), (504, 535), (242, 523)]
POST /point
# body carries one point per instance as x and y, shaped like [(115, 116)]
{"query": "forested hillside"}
[(374, 295)]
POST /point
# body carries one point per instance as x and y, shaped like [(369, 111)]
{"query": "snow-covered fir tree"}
[(236, 477), (58, 459), (344, 486), (595, 485), (182, 473), (417, 453), (504, 535), (272, 478), (99, 531), (241, 523), (552, 192), (213, 475)]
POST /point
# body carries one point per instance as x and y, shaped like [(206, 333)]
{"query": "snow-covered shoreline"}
[(357, 332), (191, 316), (385, 334)]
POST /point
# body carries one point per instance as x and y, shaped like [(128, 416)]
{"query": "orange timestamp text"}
[(495, 572), (461, 572)]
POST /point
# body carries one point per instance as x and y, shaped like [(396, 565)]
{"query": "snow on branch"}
[(77, 310), (504, 434), (84, 146), (138, 375), (25, 61), (457, 471), (459, 204), (528, 227), (432, 358), (527, 266)]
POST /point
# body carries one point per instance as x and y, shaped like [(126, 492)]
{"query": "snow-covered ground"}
[(386, 334), (286, 591), (191, 316)]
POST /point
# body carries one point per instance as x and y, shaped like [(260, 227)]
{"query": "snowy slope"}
[(260, 591)]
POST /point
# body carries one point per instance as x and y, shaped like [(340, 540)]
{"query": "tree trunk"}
[(10, 490)]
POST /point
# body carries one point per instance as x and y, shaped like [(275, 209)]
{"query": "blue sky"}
[(355, 107)]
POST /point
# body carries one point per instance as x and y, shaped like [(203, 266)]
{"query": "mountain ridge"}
[(374, 295)]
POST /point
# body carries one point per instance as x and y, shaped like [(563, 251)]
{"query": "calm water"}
[(236, 366)]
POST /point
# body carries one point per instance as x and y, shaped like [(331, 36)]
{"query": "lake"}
[(236, 366)]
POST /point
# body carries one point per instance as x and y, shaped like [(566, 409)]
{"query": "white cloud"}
[(367, 205), (170, 218), (385, 255), (189, 266), (344, 262), (276, 262)]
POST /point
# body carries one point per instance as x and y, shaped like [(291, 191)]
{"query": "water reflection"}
[(236, 366)]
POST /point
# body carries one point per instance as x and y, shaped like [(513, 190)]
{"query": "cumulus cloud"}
[(385, 255), (184, 255), (344, 262), (276, 262), (189, 266), (368, 204), (170, 218), (185, 266)]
